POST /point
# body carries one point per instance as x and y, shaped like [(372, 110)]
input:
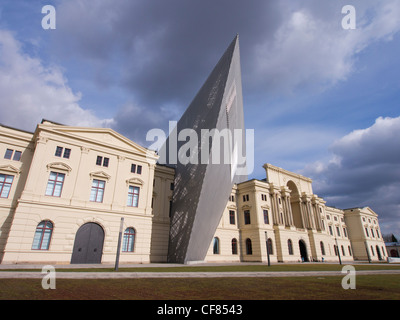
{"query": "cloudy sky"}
[(324, 101)]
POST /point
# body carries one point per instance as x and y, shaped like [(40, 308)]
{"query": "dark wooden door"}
[(88, 245)]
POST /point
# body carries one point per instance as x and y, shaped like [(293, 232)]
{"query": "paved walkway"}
[(136, 275), (141, 275)]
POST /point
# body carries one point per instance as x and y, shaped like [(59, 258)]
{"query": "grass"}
[(377, 287), (368, 287)]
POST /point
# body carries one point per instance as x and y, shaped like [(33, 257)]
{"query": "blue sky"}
[(323, 101)]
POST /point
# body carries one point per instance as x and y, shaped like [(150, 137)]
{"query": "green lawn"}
[(379, 287)]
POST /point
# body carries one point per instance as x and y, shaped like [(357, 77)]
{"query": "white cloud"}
[(311, 49), (30, 91), (364, 171)]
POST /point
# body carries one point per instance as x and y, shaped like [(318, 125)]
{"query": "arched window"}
[(216, 246), (269, 244), (322, 248), (41, 240), (234, 246), (249, 249), (128, 244), (290, 246)]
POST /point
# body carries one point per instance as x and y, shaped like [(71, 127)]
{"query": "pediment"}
[(101, 136), (59, 166), (370, 211), (10, 169), (100, 175), (136, 181)]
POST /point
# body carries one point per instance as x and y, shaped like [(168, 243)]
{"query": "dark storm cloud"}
[(167, 48)]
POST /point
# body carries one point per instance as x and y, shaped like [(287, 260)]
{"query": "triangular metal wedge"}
[(208, 161)]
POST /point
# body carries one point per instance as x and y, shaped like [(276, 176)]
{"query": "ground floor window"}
[(234, 246), (128, 244), (269, 244), (322, 248), (216, 246), (290, 246), (249, 249), (41, 240)]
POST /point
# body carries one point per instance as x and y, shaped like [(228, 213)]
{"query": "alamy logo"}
[(349, 20), (49, 279), (349, 281), (49, 20), (226, 147)]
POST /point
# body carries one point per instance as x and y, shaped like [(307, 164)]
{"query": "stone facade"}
[(60, 179)]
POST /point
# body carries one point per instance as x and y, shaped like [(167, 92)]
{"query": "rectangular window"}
[(366, 231), (55, 184), (97, 191), (17, 155), (105, 162), (5, 185), (59, 151), (133, 196), (231, 217), (133, 168), (67, 153), (330, 230), (338, 231), (247, 217), (8, 154), (266, 218), (102, 162), (139, 170), (99, 160)]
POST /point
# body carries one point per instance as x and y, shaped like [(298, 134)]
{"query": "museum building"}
[(64, 190)]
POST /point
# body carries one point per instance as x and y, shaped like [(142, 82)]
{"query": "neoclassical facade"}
[(283, 214), (66, 192)]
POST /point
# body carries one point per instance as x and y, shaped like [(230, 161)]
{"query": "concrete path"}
[(141, 275)]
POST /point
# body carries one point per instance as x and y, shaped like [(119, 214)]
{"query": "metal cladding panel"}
[(202, 189)]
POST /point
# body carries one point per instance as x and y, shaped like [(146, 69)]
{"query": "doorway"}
[(88, 245), (303, 251)]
